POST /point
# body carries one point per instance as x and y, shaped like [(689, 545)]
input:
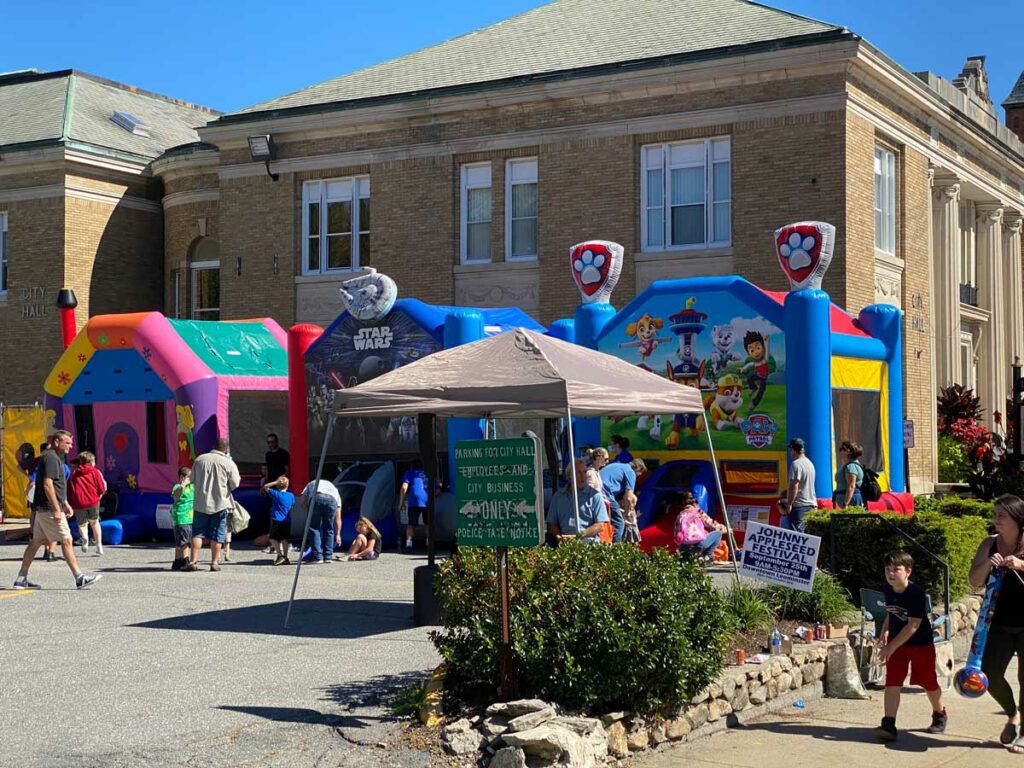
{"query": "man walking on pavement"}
[(324, 505), (50, 509), (214, 476)]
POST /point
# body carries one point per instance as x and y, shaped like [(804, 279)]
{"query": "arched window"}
[(204, 280)]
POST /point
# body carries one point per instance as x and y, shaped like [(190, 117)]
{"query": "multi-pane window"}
[(885, 200), (204, 280), (686, 195), (335, 225), (475, 215), (3, 253), (521, 209)]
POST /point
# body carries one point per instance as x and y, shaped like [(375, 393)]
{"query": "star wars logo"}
[(373, 338)]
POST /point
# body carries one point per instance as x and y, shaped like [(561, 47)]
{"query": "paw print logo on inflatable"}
[(798, 250), (589, 264), (804, 251), (595, 267)]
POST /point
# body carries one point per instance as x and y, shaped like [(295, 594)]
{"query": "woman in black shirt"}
[(1006, 633)]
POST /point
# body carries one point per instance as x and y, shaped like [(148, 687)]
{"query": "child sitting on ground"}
[(695, 532), (85, 488), (367, 543), (908, 644), (182, 495), (281, 502)]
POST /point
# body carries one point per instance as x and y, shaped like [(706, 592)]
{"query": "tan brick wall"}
[(181, 232), (256, 219), (30, 344), (191, 182), (857, 270)]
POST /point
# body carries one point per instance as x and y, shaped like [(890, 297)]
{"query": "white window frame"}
[(200, 266), (509, 183), (318, 191), (885, 200), (465, 187), (724, 145), (4, 272), (968, 376), (176, 301)]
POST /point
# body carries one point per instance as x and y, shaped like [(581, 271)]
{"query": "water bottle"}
[(776, 642)]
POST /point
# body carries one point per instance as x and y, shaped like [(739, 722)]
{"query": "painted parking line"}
[(15, 593)]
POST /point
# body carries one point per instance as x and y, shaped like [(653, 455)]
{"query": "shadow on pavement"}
[(380, 691), (909, 741), (289, 715), (337, 619)]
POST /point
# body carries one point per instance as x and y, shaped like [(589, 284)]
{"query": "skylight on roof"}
[(130, 123)]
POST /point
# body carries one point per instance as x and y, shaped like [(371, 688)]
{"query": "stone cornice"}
[(190, 196), (193, 164), (79, 192)]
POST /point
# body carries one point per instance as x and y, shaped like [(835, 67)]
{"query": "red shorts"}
[(919, 659)]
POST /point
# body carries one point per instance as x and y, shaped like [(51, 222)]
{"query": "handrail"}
[(945, 566)]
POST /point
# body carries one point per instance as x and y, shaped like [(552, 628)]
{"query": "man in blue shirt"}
[(281, 502), (618, 480), (561, 517)]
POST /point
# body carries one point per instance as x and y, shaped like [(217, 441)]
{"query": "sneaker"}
[(22, 582), (47, 555), (268, 550), (190, 567), (887, 730), (99, 550), (178, 564), (85, 547), (214, 567), (310, 558), (938, 723), (286, 562), (84, 580), (280, 560)]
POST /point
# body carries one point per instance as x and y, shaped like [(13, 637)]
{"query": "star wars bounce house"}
[(377, 333), (148, 394), (771, 367)]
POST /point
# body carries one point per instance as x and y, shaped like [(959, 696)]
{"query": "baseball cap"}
[(797, 444)]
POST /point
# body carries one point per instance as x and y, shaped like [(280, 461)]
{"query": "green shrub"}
[(747, 607), (958, 506), (953, 463), (594, 627), (828, 602), (862, 543)]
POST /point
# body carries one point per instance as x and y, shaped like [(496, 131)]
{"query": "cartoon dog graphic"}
[(688, 375), (724, 405), (644, 333), (722, 339)]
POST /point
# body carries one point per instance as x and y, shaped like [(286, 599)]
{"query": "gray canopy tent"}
[(519, 374)]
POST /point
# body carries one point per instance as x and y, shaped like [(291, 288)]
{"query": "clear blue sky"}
[(227, 54)]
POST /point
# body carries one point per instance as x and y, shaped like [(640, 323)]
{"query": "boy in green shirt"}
[(182, 494)]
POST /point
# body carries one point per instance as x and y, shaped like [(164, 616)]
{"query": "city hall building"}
[(686, 132)]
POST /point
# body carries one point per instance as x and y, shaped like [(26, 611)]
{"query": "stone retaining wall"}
[(535, 733)]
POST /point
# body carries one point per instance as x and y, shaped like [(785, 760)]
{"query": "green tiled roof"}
[(70, 107), (1016, 97), (562, 37)]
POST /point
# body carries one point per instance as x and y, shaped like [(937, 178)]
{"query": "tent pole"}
[(572, 463), (309, 511), (721, 498)]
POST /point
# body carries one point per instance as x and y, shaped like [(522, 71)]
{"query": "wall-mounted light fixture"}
[(238, 266), (262, 148), (275, 262)]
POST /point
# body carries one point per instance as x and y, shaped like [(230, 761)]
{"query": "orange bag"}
[(607, 533), (721, 553)]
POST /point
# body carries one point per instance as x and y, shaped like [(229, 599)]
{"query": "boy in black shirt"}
[(907, 635)]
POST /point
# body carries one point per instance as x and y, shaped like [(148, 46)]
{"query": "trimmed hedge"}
[(599, 628), (862, 543), (954, 506)]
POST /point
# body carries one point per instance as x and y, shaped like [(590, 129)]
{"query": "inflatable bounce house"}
[(377, 333), (148, 394), (771, 366)]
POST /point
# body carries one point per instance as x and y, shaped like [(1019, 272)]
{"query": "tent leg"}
[(572, 462), (721, 499), (309, 511)]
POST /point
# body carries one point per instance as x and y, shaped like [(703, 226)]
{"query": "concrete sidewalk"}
[(832, 732)]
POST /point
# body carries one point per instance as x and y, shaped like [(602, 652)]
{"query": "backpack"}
[(689, 527), (870, 490)]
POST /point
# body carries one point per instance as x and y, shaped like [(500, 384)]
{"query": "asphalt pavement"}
[(158, 668)]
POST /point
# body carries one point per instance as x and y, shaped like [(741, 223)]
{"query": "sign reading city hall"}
[(498, 492), (780, 556)]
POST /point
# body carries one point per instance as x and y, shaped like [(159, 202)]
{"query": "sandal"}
[(1008, 735), (1017, 747)]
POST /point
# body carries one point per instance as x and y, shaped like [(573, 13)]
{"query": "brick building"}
[(78, 208)]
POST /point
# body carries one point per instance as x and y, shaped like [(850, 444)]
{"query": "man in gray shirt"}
[(800, 499), (214, 476)]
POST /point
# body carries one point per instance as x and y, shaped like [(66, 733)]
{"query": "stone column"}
[(1013, 292), (993, 370), (946, 266)]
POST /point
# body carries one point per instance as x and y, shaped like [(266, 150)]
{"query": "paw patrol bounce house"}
[(771, 366)]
